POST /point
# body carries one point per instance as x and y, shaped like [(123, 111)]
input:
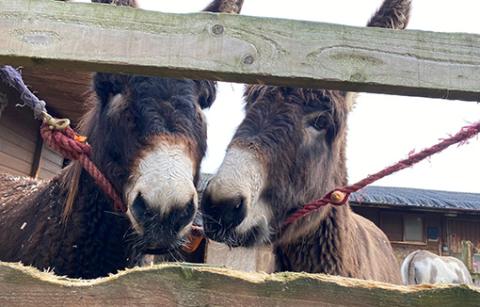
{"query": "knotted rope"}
[(12, 77), (58, 134), (339, 197), (74, 147)]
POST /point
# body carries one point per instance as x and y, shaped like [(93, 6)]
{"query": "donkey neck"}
[(94, 238), (322, 250), (95, 235), (317, 244), (89, 244)]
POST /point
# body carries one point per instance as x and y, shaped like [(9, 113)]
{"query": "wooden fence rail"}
[(190, 285), (87, 37), (239, 49)]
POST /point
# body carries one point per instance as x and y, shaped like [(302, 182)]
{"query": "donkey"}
[(424, 267), (289, 150), (148, 136)]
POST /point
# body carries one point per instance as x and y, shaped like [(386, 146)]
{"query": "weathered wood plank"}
[(11, 161), (258, 259), (189, 285), (239, 49), (9, 135)]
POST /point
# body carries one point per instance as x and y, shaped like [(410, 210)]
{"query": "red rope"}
[(339, 197), (70, 145)]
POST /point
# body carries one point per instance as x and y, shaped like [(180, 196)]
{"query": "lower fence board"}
[(195, 285)]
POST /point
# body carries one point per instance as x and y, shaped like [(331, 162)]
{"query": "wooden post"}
[(467, 254), (3, 102), (37, 156), (258, 259)]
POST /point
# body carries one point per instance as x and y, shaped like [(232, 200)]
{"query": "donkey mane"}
[(70, 177)]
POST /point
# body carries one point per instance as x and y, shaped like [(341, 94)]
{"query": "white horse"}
[(424, 267)]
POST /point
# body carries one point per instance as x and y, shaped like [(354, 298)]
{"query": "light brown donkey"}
[(289, 150)]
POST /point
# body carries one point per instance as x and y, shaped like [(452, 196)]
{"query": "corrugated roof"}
[(408, 197)]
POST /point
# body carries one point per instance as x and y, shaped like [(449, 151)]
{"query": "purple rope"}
[(13, 78)]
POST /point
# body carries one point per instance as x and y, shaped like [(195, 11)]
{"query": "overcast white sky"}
[(382, 128)]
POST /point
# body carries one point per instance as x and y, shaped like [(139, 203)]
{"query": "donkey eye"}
[(318, 123)]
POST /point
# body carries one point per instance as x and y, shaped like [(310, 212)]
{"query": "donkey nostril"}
[(239, 203), (189, 210), (234, 211), (228, 212), (139, 208), (183, 215)]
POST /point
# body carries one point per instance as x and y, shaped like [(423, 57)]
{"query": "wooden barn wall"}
[(18, 134), (18, 141), (50, 163), (463, 228), (453, 230), (402, 248)]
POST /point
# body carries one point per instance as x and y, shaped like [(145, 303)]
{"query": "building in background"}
[(22, 151), (413, 219)]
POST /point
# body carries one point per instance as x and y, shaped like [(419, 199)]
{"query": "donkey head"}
[(289, 150), (149, 136)]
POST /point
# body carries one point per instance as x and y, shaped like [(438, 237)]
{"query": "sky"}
[(382, 128)]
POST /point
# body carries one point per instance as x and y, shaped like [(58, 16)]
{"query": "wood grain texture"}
[(18, 132), (244, 49), (10, 134), (190, 285), (258, 259)]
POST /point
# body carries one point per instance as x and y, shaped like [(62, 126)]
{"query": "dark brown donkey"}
[(148, 136), (289, 150)]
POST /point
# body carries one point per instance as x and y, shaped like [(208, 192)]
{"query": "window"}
[(433, 233), (413, 228), (391, 224), (405, 227)]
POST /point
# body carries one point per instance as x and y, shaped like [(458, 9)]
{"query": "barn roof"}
[(418, 198)]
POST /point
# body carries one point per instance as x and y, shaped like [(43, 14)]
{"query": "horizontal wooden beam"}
[(243, 49), (193, 285)]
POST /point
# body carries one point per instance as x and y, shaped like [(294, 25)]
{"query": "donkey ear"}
[(393, 14), (109, 85), (225, 6), (254, 92), (131, 3), (207, 92)]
